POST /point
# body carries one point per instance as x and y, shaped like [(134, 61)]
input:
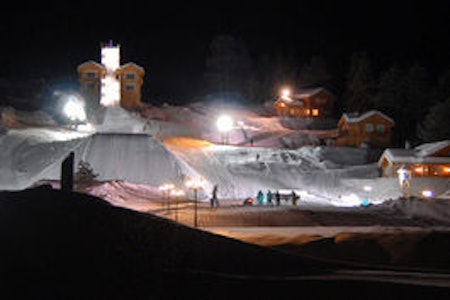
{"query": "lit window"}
[(418, 169), (380, 128), (307, 111), (315, 112), (369, 127)]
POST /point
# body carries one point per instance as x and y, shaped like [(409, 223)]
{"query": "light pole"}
[(224, 125), (166, 188), (194, 184), (177, 193)]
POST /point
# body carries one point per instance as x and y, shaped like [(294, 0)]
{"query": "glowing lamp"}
[(74, 109), (224, 123), (285, 93)]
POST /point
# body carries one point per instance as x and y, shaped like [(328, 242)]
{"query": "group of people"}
[(269, 197), (277, 195)]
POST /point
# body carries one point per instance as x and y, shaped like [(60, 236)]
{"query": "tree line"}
[(418, 102)]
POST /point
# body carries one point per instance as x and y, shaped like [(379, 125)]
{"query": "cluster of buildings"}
[(372, 128), (110, 83)]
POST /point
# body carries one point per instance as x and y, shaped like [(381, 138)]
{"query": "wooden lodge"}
[(372, 128), (426, 160), (312, 102)]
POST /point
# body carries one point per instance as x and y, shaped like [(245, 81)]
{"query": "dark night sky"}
[(170, 40)]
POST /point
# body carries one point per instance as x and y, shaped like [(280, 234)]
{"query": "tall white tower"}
[(110, 88)]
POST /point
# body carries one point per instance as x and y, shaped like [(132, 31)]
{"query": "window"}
[(315, 112), (369, 127), (130, 76), (129, 87), (380, 128), (91, 75)]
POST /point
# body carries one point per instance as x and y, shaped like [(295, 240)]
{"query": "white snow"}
[(144, 153)]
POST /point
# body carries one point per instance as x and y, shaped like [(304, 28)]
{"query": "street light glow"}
[(74, 109), (224, 123), (285, 93)]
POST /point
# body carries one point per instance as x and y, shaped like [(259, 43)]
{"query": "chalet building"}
[(313, 102), (131, 80), (372, 128), (426, 160), (91, 78)]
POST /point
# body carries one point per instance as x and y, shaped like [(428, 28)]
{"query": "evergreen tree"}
[(435, 127), (360, 84), (419, 96), (229, 69), (314, 73)]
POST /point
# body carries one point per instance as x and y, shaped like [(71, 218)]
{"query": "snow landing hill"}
[(171, 143)]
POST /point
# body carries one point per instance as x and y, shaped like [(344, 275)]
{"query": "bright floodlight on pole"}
[(224, 125), (74, 109)]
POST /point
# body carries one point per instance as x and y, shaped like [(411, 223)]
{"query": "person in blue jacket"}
[(260, 197)]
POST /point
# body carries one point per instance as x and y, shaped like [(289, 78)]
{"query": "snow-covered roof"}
[(428, 149), (91, 62), (419, 155), (350, 118), (133, 65), (307, 92)]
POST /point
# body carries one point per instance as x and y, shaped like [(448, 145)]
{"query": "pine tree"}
[(85, 173), (360, 83), (435, 127)]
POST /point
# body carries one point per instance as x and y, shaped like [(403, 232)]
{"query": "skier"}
[(260, 197)]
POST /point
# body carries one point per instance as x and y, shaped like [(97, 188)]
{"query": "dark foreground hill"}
[(61, 245)]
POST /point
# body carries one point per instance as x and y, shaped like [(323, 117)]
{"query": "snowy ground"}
[(183, 142), (133, 156)]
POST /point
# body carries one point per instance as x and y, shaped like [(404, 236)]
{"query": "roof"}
[(431, 148), (301, 94), (419, 155), (132, 65), (306, 93), (351, 118), (90, 62)]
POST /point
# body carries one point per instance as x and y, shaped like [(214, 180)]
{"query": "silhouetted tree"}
[(419, 96), (276, 71), (435, 127), (229, 69), (360, 83), (314, 73)]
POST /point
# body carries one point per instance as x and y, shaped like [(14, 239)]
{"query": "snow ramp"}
[(137, 158)]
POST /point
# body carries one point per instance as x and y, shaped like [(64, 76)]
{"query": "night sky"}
[(171, 40)]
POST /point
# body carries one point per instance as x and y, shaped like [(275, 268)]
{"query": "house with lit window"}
[(372, 128), (426, 160), (110, 83), (311, 102)]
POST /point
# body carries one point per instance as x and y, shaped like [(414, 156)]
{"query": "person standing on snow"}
[(277, 198), (260, 197), (269, 197), (294, 198), (214, 201)]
